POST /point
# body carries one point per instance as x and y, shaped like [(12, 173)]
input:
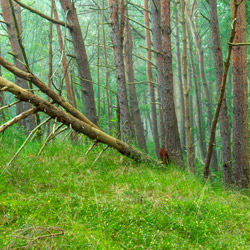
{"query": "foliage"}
[(113, 204)]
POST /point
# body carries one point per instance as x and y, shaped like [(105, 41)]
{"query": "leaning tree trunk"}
[(73, 122), (167, 90), (134, 106), (226, 174), (28, 123), (240, 102), (82, 60), (116, 33), (150, 82), (189, 143)]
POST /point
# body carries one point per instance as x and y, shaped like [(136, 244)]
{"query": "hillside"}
[(61, 201)]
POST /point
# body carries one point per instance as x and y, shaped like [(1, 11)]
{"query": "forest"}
[(124, 124)]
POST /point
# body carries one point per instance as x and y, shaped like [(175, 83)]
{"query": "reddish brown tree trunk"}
[(116, 37), (167, 90), (150, 84), (155, 10), (29, 122), (179, 77), (240, 102), (82, 60), (224, 122), (134, 106), (64, 60)]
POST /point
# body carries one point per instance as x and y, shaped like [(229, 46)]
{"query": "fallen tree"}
[(78, 125)]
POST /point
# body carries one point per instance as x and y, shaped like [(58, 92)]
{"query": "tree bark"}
[(82, 60), (240, 101), (29, 122), (2, 116), (155, 11), (226, 174), (125, 122), (189, 143), (167, 90), (150, 85)]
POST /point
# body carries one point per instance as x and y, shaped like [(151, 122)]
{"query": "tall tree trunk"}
[(189, 144), (167, 90), (116, 33), (200, 57), (2, 117), (240, 102), (82, 60), (106, 67), (224, 122), (150, 80), (155, 9), (62, 50), (201, 135), (179, 77), (29, 122), (134, 106)]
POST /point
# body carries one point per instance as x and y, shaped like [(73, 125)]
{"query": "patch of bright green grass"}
[(115, 204)]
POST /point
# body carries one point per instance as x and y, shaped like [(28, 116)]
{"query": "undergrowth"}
[(62, 201)]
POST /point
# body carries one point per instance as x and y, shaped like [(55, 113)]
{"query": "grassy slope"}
[(114, 204)]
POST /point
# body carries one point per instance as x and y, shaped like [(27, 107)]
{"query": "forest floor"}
[(60, 200)]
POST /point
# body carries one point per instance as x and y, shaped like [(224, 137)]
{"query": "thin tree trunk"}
[(50, 60), (150, 79), (82, 60), (106, 67), (64, 60), (240, 101), (201, 135), (189, 144), (135, 111), (116, 37), (224, 122), (179, 77), (2, 116), (28, 123), (200, 56), (167, 90)]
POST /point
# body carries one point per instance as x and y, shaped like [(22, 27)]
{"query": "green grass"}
[(115, 204)]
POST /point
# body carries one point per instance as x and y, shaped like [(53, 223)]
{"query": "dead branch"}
[(10, 105), (43, 15), (99, 155), (18, 118)]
